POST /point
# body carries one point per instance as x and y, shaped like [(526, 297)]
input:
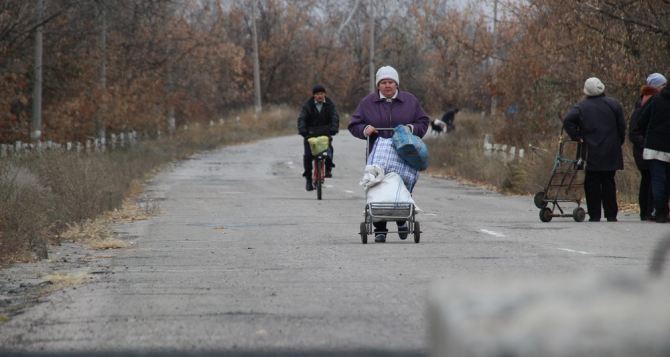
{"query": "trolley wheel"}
[(417, 232), (364, 233), (546, 214), (539, 200), (318, 189), (578, 214)]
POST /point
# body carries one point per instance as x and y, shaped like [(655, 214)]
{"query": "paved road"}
[(243, 259)]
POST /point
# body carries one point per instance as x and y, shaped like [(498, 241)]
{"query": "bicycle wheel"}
[(319, 174)]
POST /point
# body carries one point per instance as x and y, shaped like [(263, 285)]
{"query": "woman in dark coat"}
[(655, 82), (598, 122), (655, 121)]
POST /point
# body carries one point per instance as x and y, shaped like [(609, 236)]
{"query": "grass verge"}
[(58, 195), (461, 155)]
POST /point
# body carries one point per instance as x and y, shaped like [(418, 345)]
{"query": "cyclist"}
[(317, 117), (388, 107)]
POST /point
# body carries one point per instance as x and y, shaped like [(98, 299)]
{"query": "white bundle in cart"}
[(385, 188)]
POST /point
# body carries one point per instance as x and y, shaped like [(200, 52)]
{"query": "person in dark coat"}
[(387, 107), (598, 122), (449, 117), (318, 116), (655, 121), (655, 82)]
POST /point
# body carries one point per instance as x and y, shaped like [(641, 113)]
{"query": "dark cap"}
[(318, 88)]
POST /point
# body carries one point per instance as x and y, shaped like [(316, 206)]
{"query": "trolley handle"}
[(367, 141)]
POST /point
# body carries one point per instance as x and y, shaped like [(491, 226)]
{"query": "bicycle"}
[(320, 150), (319, 173)]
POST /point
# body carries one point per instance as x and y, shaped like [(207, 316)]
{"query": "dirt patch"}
[(26, 284), (82, 254)]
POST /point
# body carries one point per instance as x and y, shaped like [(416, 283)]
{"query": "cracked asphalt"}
[(242, 259)]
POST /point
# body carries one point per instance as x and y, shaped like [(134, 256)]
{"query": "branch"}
[(351, 14), (626, 19)]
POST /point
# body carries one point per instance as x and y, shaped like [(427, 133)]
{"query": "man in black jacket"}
[(655, 121), (598, 122), (317, 117)]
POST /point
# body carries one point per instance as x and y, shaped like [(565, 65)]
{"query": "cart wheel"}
[(539, 200), (364, 233), (318, 189), (417, 232), (578, 214), (546, 214)]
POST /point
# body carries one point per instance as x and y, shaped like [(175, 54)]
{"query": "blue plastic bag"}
[(410, 148)]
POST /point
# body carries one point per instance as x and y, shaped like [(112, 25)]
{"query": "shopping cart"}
[(388, 211), (566, 184)]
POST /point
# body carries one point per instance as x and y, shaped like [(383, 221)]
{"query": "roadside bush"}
[(461, 154), (24, 211), (42, 193)]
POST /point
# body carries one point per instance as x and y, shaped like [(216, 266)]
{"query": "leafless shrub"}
[(24, 211), (461, 154), (42, 195)]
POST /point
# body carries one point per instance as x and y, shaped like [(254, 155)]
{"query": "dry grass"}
[(63, 280), (94, 233), (461, 155), (57, 194)]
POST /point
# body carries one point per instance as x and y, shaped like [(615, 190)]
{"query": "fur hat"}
[(656, 80), (593, 87), (387, 72)]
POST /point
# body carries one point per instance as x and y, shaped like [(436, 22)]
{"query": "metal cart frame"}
[(565, 184), (388, 211)]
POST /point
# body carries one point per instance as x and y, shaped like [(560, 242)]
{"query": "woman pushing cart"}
[(388, 107)]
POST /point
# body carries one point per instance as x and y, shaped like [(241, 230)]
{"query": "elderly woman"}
[(655, 121), (388, 107), (598, 121)]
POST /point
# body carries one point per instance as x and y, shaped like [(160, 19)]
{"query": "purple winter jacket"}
[(404, 109)]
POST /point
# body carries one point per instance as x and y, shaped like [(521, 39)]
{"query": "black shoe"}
[(329, 174), (380, 237), (661, 218), (612, 219), (403, 230), (308, 185)]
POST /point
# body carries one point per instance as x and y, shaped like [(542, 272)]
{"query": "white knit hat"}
[(656, 80), (387, 72), (593, 87)]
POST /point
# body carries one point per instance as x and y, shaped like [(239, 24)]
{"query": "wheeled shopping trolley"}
[(566, 183), (377, 212), (388, 211)]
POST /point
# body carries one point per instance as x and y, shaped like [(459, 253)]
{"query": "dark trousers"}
[(600, 189), (307, 158), (645, 197), (660, 185)]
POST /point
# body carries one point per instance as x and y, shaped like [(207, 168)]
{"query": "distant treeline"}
[(123, 65)]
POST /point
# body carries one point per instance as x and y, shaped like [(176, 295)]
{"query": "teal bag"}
[(410, 148)]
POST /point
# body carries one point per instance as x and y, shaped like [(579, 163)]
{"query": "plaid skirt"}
[(384, 155)]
